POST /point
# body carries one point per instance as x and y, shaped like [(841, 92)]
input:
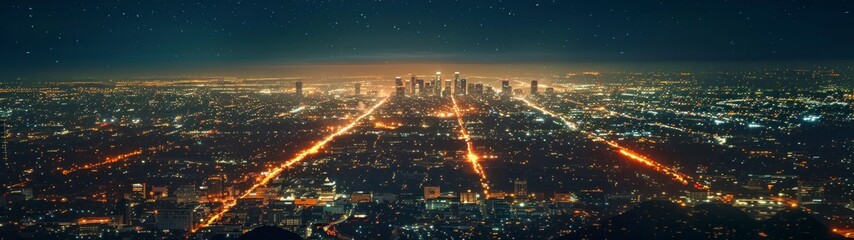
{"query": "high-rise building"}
[(462, 88), (447, 91), (478, 89), (550, 90), (421, 90), (534, 87), (175, 219), (456, 82), (520, 188), (298, 88), (470, 88), (431, 192), (186, 194), (413, 84), (468, 197), (358, 89), (506, 90), (399, 89), (437, 84)]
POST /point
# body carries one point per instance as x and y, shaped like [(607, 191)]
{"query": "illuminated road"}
[(471, 156), (625, 152), (272, 173), (109, 160)]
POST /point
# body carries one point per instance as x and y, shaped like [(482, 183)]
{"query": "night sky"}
[(153, 37)]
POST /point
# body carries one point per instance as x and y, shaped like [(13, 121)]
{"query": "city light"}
[(626, 152), (273, 173), (471, 156), (106, 161)]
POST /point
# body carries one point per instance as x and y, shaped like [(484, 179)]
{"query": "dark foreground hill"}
[(667, 220)]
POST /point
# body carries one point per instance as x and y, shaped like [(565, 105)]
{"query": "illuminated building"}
[(550, 90), (457, 83), (534, 87), (420, 83), (463, 87), (175, 219), (399, 89), (468, 197), (431, 192), (412, 84), (520, 188), (357, 89), (506, 90), (298, 88)]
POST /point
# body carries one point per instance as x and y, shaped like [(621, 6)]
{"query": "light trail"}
[(626, 152), (471, 156), (272, 173), (109, 160)]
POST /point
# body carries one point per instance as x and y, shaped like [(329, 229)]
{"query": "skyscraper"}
[(399, 89), (520, 188), (412, 83), (437, 84), (299, 88), (533, 87), (358, 89), (456, 82), (462, 87), (506, 90), (420, 83)]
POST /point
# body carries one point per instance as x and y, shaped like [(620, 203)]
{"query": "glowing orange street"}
[(109, 160), (628, 153), (471, 156), (274, 172)]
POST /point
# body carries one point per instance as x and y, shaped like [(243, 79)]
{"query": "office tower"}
[(447, 90), (550, 90), (456, 82), (429, 88), (506, 90), (358, 89), (216, 187), (174, 219), (420, 83), (431, 192), (413, 84), (470, 88), (534, 87), (138, 191), (468, 197), (462, 88), (124, 208), (437, 84), (186, 194), (299, 89), (399, 89), (520, 188), (478, 89)]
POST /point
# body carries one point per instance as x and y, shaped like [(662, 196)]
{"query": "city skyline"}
[(434, 119)]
